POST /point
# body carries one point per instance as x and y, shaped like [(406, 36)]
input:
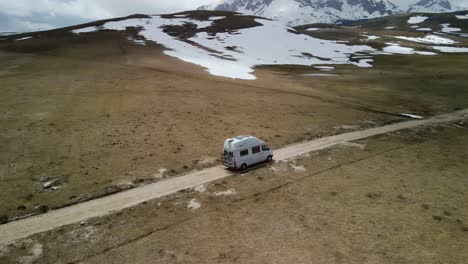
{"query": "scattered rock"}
[(34, 253), (200, 188), (298, 167), (3, 219), (447, 213), (21, 207), (333, 193), (373, 195), (260, 178), (45, 179), (436, 217), (401, 197), (227, 192), (352, 144), (193, 204), (43, 209), (47, 184), (425, 206)]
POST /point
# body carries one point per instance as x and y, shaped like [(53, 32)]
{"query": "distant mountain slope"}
[(297, 12), (431, 6)]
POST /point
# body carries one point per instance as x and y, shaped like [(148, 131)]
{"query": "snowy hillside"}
[(431, 6), (231, 45), (299, 12), (233, 54)]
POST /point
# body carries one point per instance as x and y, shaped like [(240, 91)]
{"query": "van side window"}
[(244, 152), (265, 147), (256, 149)]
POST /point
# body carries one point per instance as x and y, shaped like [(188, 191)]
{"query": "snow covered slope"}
[(299, 12), (231, 45), (234, 53), (431, 6)]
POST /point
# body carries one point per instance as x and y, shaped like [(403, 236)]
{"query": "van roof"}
[(241, 141)]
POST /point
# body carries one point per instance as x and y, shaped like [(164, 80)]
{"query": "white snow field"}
[(448, 49), (424, 29), (462, 16), (395, 48), (429, 39), (371, 37), (234, 55), (85, 30), (447, 29), (416, 19)]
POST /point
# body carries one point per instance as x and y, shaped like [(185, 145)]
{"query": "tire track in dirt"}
[(99, 207)]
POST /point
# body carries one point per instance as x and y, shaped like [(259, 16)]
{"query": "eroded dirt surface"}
[(392, 198)]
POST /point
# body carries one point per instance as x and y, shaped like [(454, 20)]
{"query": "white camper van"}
[(242, 151)]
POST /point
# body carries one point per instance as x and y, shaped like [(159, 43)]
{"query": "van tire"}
[(269, 159), (243, 167)]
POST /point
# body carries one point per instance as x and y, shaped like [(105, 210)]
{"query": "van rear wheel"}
[(269, 159), (243, 167)]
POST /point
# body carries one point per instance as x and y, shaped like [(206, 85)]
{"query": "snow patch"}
[(23, 38), (397, 49), (363, 63), (390, 27), (462, 16), (447, 29), (234, 55), (137, 41), (312, 29), (325, 67), (416, 19), (411, 116), (448, 49), (217, 18), (193, 204), (424, 29), (85, 30), (429, 39), (371, 37)]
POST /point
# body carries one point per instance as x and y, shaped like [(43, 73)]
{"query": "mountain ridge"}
[(297, 12)]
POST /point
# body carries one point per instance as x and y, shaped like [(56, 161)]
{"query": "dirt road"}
[(100, 207)]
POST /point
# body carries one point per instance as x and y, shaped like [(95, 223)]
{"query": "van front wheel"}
[(243, 167), (269, 159)]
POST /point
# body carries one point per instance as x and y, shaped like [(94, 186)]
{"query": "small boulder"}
[(45, 179), (47, 184)]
